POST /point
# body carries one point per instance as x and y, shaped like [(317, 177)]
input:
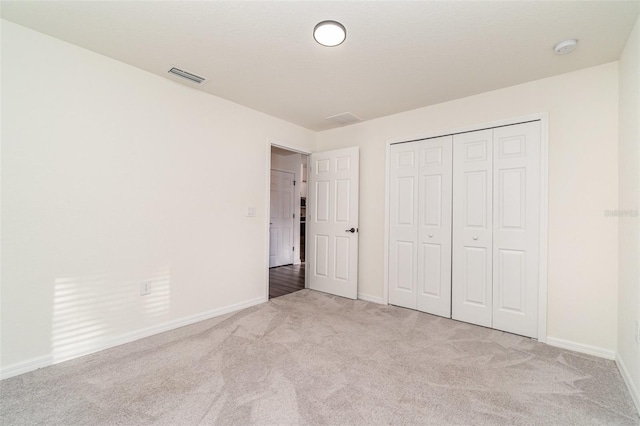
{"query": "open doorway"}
[(287, 226)]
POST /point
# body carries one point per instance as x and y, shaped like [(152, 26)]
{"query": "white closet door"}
[(516, 230), (403, 224), (472, 228), (434, 226)]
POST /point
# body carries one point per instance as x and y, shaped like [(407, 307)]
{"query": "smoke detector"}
[(565, 47)]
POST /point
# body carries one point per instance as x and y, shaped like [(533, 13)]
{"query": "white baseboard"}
[(633, 390), (369, 298), (47, 360), (581, 347), (26, 366)]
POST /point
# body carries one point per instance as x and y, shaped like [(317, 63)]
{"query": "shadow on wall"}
[(89, 311)]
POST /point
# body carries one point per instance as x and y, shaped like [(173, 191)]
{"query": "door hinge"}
[(294, 215), (293, 248), (294, 183)]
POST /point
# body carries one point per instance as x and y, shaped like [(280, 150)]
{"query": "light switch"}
[(251, 212)]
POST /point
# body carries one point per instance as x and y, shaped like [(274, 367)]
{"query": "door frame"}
[(295, 149), (543, 117)]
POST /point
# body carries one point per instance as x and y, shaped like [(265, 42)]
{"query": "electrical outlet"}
[(251, 212), (145, 288), (638, 331)]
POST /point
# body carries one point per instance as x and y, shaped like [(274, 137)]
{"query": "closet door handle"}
[(430, 235), (352, 230), (475, 238)]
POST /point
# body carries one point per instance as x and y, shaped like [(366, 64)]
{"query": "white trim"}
[(385, 278), (26, 366), (47, 360), (472, 128), (267, 213), (581, 347), (288, 147), (633, 390), (543, 117), (544, 228), (370, 298)]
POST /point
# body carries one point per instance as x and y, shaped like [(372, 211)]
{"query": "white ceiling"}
[(398, 55)]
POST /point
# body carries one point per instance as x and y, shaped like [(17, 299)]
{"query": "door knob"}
[(475, 238), (430, 235), (352, 230)]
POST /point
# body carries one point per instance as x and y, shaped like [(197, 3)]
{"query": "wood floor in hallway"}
[(285, 279)]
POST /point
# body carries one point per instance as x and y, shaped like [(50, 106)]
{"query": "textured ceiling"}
[(398, 55)]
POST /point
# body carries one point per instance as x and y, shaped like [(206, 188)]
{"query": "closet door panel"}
[(475, 282), (403, 224), (516, 168), (434, 226), (472, 298)]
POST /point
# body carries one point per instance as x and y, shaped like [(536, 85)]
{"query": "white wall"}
[(629, 225), (112, 176), (583, 180), (292, 163)]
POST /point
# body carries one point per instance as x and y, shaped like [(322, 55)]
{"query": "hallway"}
[(285, 279)]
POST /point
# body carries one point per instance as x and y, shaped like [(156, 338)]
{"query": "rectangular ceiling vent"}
[(344, 119), (186, 75)]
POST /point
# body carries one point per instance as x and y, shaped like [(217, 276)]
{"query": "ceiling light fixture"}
[(565, 47), (329, 33)]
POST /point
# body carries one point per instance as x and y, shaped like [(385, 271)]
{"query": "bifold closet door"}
[(434, 226), (496, 228), (472, 298), (403, 224), (420, 225), (516, 230)]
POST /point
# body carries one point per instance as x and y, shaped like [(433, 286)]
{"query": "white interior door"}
[(332, 222), (516, 229), (472, 296), (434, 226), (281, 219), (403, 224)]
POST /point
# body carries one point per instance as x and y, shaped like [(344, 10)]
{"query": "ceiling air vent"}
[(186, 75), (344, 119)]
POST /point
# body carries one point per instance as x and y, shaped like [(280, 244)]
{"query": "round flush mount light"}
[(565, 47), (329, 33)]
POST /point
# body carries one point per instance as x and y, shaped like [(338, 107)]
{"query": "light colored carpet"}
[(312, 358)]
